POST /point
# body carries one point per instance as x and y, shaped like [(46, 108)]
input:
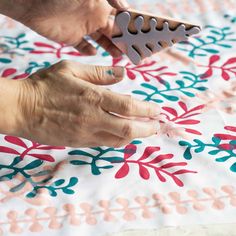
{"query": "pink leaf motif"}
[(15, 140), (8, 150), (123, 171)]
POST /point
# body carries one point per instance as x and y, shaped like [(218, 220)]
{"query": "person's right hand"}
[(64, 105)]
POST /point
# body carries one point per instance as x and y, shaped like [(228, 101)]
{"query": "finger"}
[(128, 106), (129, 129), (86, 48), (107, 44), (106, 139), (119, 4), (102, 75), (99, 75)]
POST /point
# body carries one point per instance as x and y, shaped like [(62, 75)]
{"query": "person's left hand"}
[(69, 22)]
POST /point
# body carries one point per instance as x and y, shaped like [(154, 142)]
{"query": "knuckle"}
[(128, 131), (128, 105), (99, 72), (93, 96)]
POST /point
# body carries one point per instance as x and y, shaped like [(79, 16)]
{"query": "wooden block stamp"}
[(140, 35)]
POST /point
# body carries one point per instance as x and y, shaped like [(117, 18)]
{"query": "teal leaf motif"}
[(210, 43), (17, 167), (190, 82), (94, 156), (214, 148)]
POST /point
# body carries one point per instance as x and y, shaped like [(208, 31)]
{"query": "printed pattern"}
[(188, 167), (125, 210)]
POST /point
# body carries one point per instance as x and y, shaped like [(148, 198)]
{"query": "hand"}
[(68, 21), (64, 106)]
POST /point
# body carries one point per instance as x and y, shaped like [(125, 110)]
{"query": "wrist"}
[(10, 117)]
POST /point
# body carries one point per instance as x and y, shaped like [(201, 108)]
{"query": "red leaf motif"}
[(45, 45), (15, 140), (122, 172), (178, 181), (73, 53), (130, 150), (226, 146), (8, 150), (22, 76), (9, 72), (148, 152), (188, 122), (44, 157), (193, 131), (225, 75), (230, 61), (231, 128), (200, 107), (161, 158), (183, 106), (225, 136), (171, 111), (160, 176), (207, 74), (143, 172), (214, 59), (131, 75), (170, 165), (169, 74), (148, 65), (180, 172)]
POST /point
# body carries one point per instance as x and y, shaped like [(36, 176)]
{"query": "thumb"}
[(101, 75), (119, 4)]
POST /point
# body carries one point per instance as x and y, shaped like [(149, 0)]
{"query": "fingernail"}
[(118, 72), (123, 4)]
